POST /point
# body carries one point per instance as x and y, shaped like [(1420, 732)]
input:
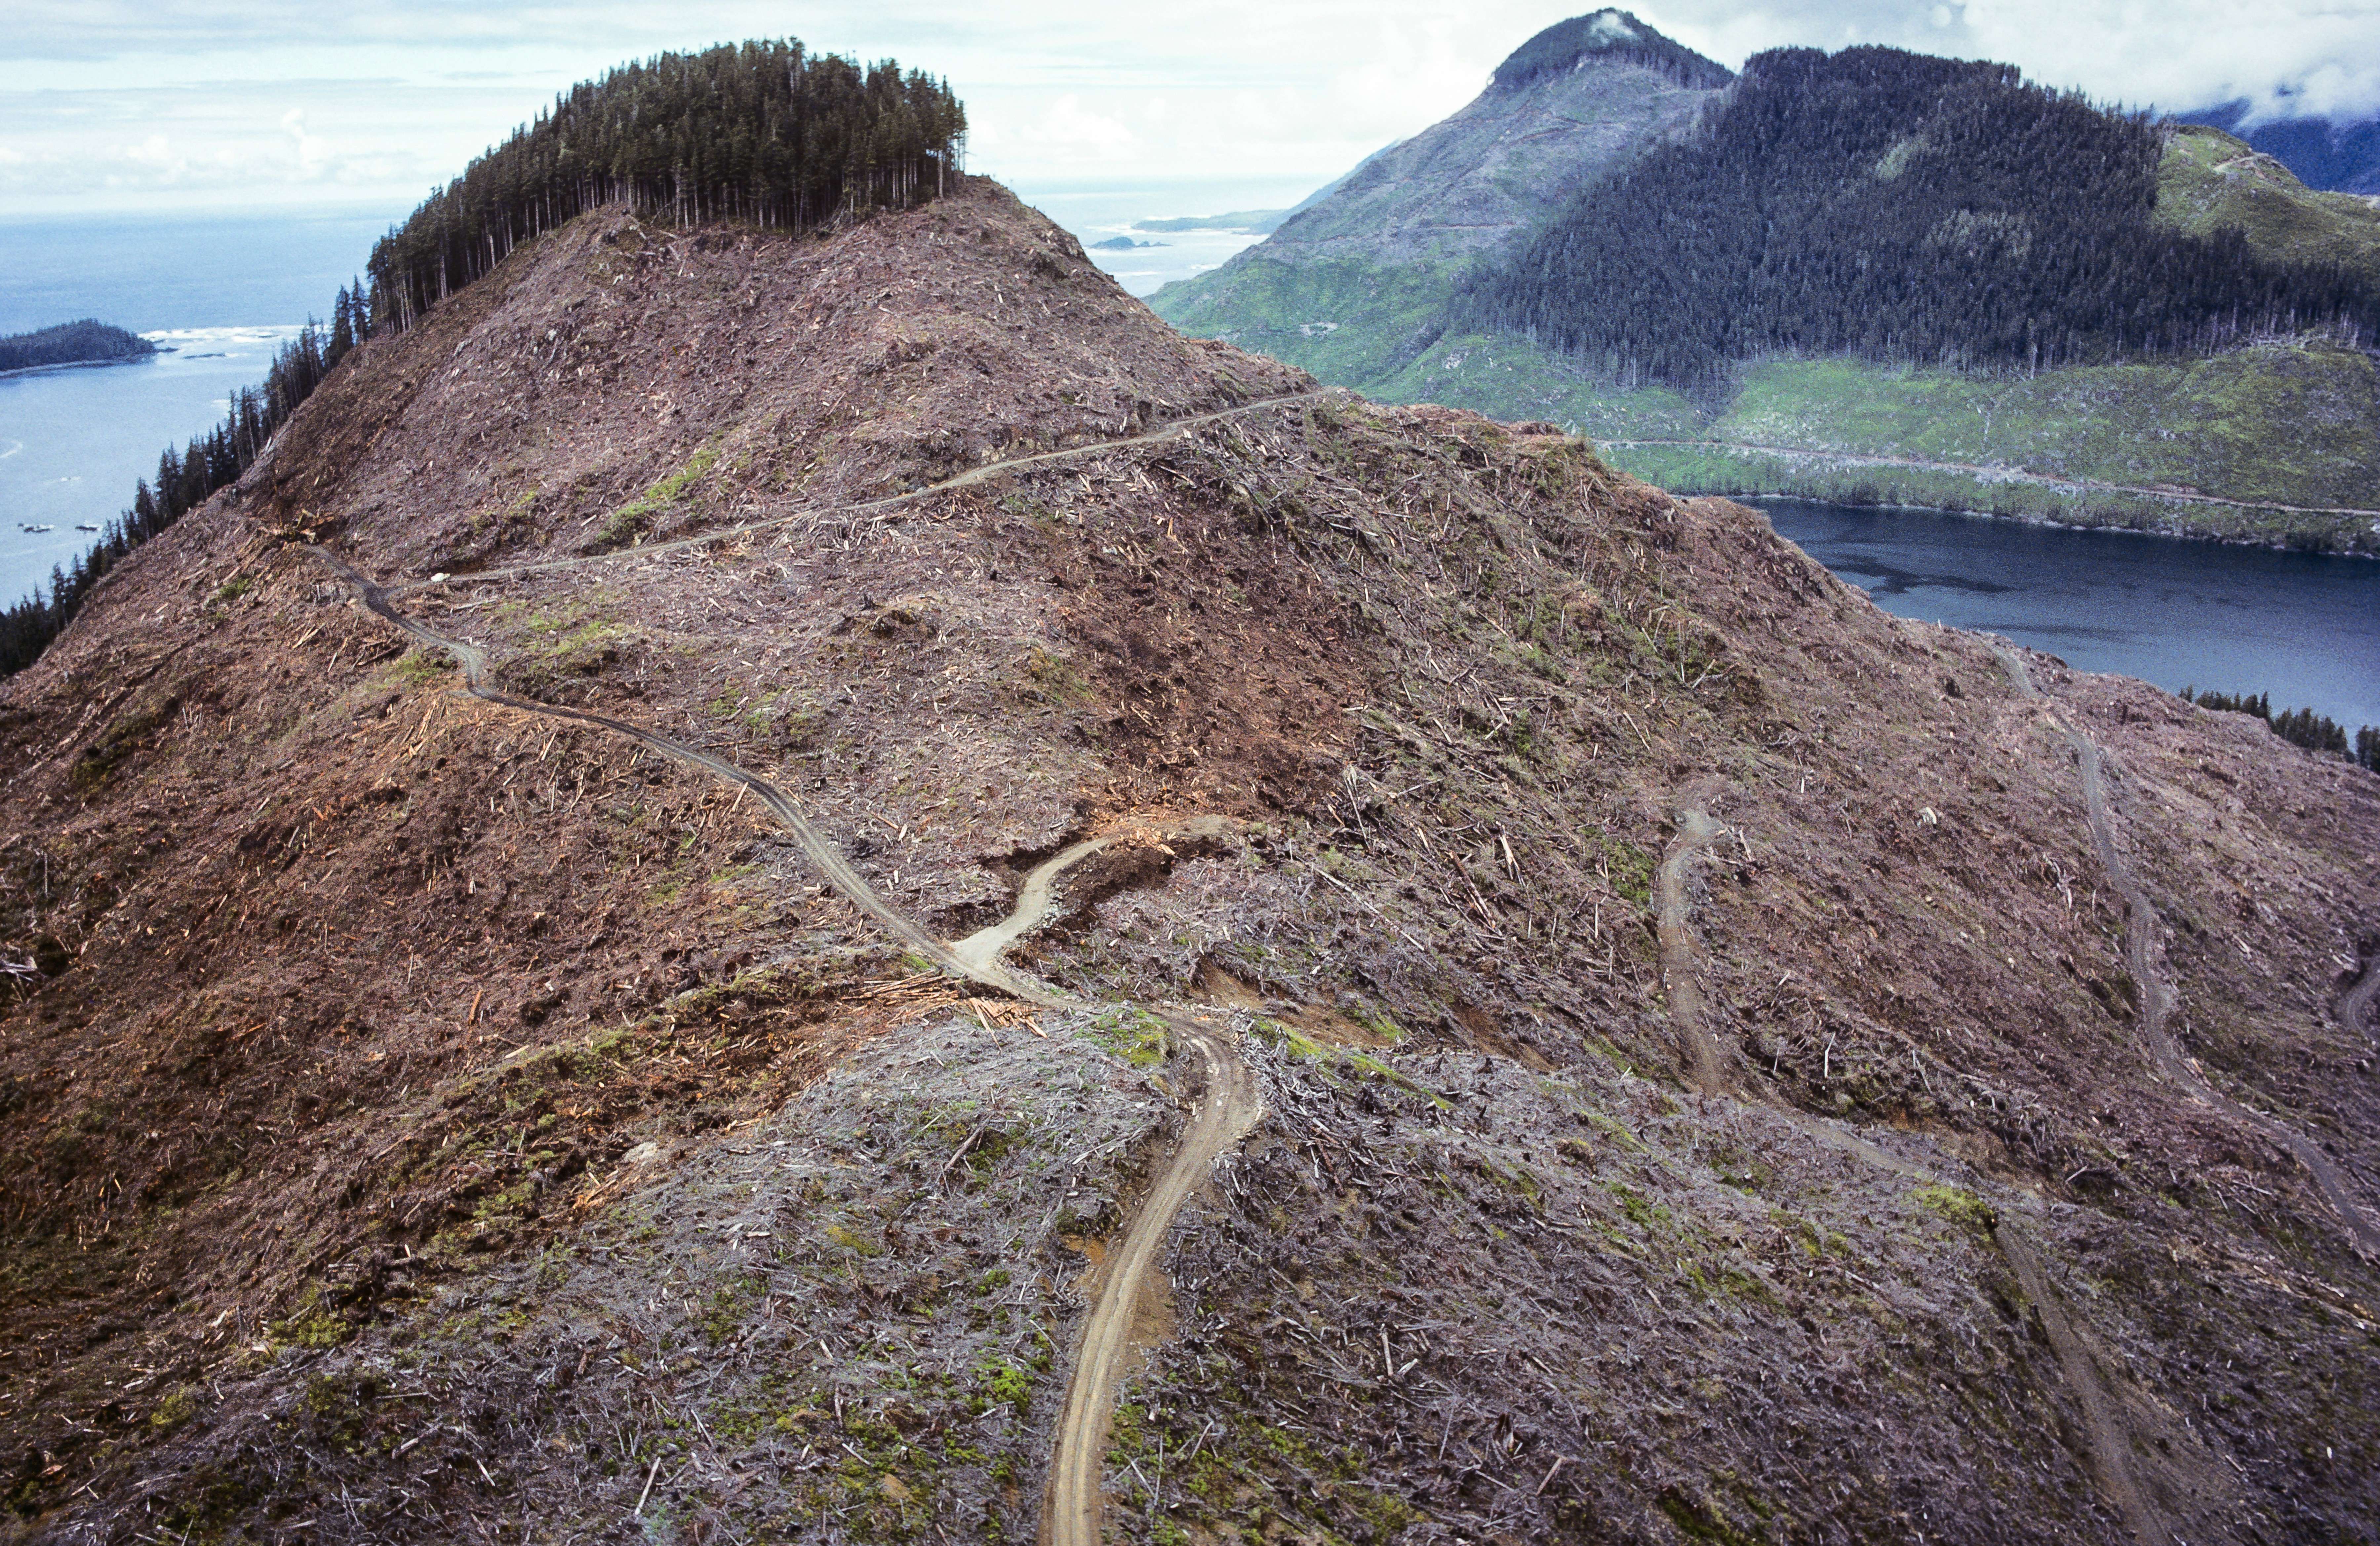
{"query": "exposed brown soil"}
[(433, 1121)]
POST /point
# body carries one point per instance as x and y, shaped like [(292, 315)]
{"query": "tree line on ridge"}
[(764, 132)]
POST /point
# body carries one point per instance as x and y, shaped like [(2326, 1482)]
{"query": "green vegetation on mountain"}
[(2209, 181), (2301, 727), (761, 132), (1893, 206), (2275, 442), (85, 342), (1905, 318)]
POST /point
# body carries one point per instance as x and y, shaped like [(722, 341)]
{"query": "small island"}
[(1122, 243), (89, 342)]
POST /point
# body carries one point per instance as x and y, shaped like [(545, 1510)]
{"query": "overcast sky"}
[(167, 104)]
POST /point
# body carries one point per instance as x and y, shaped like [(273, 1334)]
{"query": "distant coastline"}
[(88, 341)]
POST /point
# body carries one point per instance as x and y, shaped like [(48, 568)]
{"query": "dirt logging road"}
[(1170, 429), (1228, 1107), (2124, 1437)]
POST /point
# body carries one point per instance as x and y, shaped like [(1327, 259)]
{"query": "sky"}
[(180, 105)]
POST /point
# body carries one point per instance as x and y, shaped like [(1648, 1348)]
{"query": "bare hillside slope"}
[(1723, 1064)]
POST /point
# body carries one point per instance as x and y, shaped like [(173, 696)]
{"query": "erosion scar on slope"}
[(2107, 1434), (1229, 1106), (2357, 1005), (2145, 962), (1695, 832)]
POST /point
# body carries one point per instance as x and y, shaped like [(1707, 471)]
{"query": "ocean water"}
[(225, 272), (2304, 627), (1098, 213), (220, 293), (74, 438)]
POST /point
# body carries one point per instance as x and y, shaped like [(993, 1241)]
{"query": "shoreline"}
[(2042, 521), (61, 365)]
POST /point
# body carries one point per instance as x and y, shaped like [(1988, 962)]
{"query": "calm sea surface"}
[(2302, 626)]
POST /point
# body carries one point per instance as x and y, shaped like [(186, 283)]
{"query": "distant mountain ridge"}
[(2332, 158), (1564, 107), (1874, 276)]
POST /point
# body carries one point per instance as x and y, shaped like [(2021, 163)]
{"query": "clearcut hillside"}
[(832, 887)]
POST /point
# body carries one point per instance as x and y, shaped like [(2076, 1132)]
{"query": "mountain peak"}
[(1611, 33)]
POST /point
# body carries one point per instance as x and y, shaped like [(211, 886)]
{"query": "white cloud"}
[(2323, 54), (384, 97), (313, 150)]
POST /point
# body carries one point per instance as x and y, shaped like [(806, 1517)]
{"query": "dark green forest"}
[(1903, 209), (765, 132), (1608, 35), (72, 343)]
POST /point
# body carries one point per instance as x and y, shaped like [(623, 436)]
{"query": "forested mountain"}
[(72, 343), (1874, 277), (1897, 208), (766, 132)]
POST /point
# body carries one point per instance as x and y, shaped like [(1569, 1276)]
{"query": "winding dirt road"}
[(1170, 429), (1229, 1105), (2157, 996), (2355, 1006)]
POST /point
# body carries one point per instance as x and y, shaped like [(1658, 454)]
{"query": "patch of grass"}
[(1960, 1207), (418, 667), (1001, 1382), (116, 743), (628, 521), (311, 1322), (1054, 678), (1134, 1035)]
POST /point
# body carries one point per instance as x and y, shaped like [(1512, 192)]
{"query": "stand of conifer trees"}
[(1903, 209), (760, 131), (2300, 727), (765, 132)]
